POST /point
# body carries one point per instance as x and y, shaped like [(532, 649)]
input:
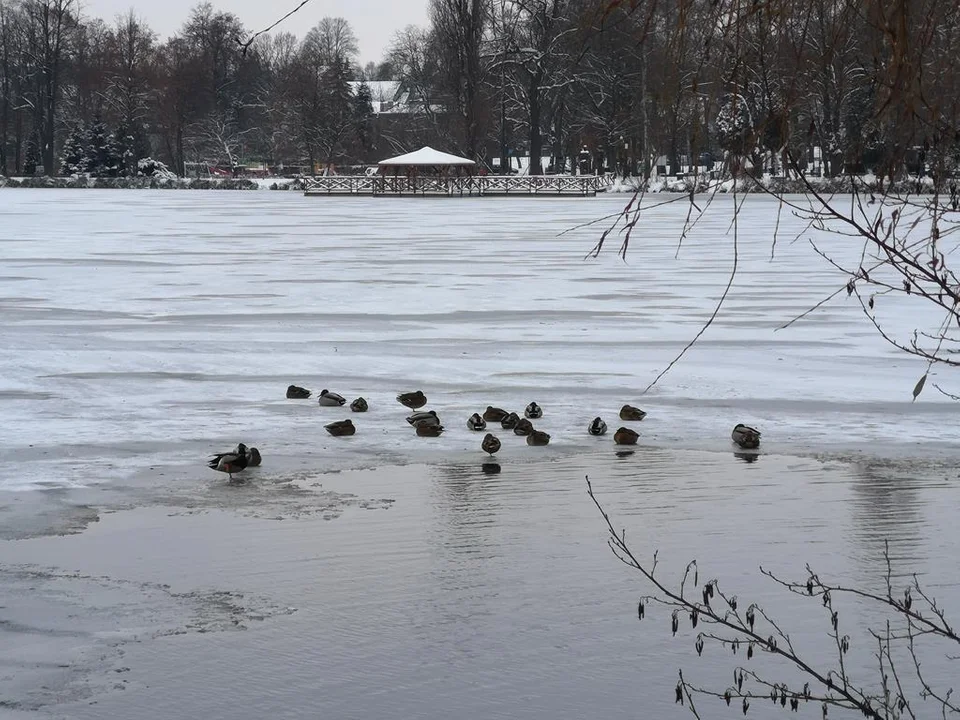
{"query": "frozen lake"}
[(149, 328), (143, 330)]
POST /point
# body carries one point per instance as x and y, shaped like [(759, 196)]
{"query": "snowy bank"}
[(772, 185), (151, 183)]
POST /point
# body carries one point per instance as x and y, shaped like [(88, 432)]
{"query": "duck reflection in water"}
[(625, 453), (747, 457), (490, 468)]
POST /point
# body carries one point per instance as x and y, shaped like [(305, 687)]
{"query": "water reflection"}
[(747, 457), (625, 453), (490, 468), (888, 499)]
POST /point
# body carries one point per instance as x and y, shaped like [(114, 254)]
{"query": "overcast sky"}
[(373, 21)]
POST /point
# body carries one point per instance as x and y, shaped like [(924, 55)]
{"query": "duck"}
[(533, 411), (490, 444), (523, 427), (746, 436), (428, 417), (331, 399), (412, 418), (295, 392), (412, 400), (494, 414), (629, 412), (626, 436), (475, 422), (597, 427), (230, 462), (253, 457), (426, 430), (510, 421), (359, 405), (538, 437), (341, 428)]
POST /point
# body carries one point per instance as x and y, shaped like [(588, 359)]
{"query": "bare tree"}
[(50, 25), (458, 33)]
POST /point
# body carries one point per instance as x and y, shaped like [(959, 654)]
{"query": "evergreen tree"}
[(363, 115), (103, 151), (74, 159), (131, 145)]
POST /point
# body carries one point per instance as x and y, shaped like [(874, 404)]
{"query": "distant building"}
[(390, 97)]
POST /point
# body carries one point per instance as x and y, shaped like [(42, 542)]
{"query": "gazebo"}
[(421, 161)]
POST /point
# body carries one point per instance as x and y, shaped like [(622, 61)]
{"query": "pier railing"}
[(479, 185)]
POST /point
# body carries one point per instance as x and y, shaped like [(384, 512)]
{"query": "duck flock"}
[(427, 423)]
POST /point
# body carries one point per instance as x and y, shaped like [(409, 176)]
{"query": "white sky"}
[(373, 21)]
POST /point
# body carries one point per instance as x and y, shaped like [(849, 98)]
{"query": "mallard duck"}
[(746, 436), (490, 444), (331, 399), (341, 428), (524, 427), (295, 392), (475, 422), (427, 416), (629, 412), (626, 436), (538, 437), (533, 411), (359, 405), (412, 400), (425, 430), (597, 427), (494, 414), (253, 457), (510, 421), (230, 462)]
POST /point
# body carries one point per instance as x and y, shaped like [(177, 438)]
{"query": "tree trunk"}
[(536, 139), (47, 133)]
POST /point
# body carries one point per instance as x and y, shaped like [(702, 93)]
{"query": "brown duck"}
[(494, 414), (424, 430), (295, 392), (629, 412), (341, 428), (523, 427), (538, 437), (412, 400), (359, 405), (626, 436), (510, 421), (490, 444)]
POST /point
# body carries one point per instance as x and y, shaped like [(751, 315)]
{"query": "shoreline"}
[(627, 186)]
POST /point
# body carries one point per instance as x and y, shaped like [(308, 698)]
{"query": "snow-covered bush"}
[(148, 167)]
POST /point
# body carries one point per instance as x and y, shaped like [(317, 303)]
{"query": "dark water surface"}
[(487, 595)]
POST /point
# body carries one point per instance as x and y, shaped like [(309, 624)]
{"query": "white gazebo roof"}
[(426, 156)]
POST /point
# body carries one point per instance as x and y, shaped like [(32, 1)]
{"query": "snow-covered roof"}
[(427, 156)]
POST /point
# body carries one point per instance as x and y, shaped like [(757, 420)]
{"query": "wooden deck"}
[(465, 186)]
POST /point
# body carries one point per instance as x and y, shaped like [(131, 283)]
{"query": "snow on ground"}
[(145, 328)]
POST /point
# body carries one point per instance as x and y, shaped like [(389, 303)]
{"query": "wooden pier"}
[(457, 185)]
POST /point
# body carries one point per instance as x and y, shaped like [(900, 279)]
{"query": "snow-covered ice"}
[(145, 328)]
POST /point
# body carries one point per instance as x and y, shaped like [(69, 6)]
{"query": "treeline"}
[(862, 85)]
